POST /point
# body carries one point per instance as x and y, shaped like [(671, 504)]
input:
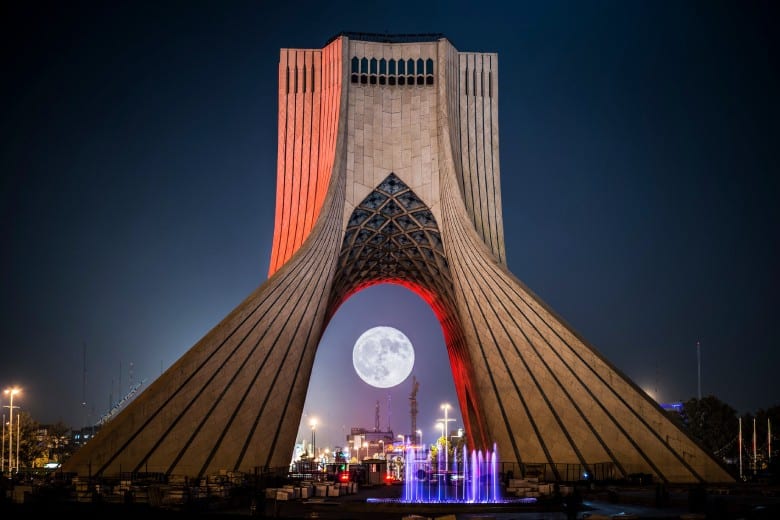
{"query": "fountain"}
[(469, 483), (472, 479)]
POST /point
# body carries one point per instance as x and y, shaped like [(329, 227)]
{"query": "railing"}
[(602, 471)]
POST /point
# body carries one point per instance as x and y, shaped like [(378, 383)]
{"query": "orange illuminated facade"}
[(310, 82)]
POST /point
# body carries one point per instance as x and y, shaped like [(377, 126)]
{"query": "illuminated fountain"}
[(472, 479)]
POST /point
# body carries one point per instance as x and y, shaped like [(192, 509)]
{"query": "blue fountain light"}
[(472, 479)]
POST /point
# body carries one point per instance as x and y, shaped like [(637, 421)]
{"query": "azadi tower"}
[(388, 172)]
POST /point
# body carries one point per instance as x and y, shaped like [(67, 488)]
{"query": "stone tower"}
[(388, 172)]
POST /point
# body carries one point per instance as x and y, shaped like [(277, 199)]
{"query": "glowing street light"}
[(446, 408), (419, 438), (313, 424), (11, 392)]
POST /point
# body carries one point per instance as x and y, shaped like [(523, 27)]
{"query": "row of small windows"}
[(392, 72)]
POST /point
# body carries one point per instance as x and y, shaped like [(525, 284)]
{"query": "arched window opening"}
[(355, 69)]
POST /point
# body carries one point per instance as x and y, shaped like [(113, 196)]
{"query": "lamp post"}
[(419, 439), (446, 408), (313, 424), (440, 424), (11, 392), (383, 447)]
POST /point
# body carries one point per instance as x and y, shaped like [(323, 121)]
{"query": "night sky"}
[(639, 169)]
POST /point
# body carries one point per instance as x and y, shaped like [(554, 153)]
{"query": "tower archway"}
[(394, 181)]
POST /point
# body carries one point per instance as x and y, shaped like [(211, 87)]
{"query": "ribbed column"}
[(310, 83)]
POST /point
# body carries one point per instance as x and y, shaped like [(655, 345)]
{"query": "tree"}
[(56, 443), (713, 423), (26, 440)]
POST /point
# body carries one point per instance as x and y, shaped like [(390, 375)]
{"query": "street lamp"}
[(419, 438), (446, 408), (383, 447), (11, 392), (313, 424)]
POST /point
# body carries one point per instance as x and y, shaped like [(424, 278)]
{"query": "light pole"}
[(419, 438), (383, 447), (11, 392), (313, 424), (441, 428), (446, 408)]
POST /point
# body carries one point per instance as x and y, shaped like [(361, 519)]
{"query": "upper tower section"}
[(404, 104)]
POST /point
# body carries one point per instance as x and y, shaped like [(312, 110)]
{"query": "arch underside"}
[(393, 237)]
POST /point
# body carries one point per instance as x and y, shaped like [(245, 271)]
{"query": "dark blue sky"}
[(639, 160)]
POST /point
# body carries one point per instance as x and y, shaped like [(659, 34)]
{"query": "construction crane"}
[(413, 404)]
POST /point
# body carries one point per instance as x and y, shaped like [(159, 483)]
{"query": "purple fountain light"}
[(473, 479)]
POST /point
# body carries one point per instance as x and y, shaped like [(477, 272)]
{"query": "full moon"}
[(383, 357)]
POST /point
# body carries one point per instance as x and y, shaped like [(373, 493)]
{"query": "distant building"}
[(672, 407), (369, 444)]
